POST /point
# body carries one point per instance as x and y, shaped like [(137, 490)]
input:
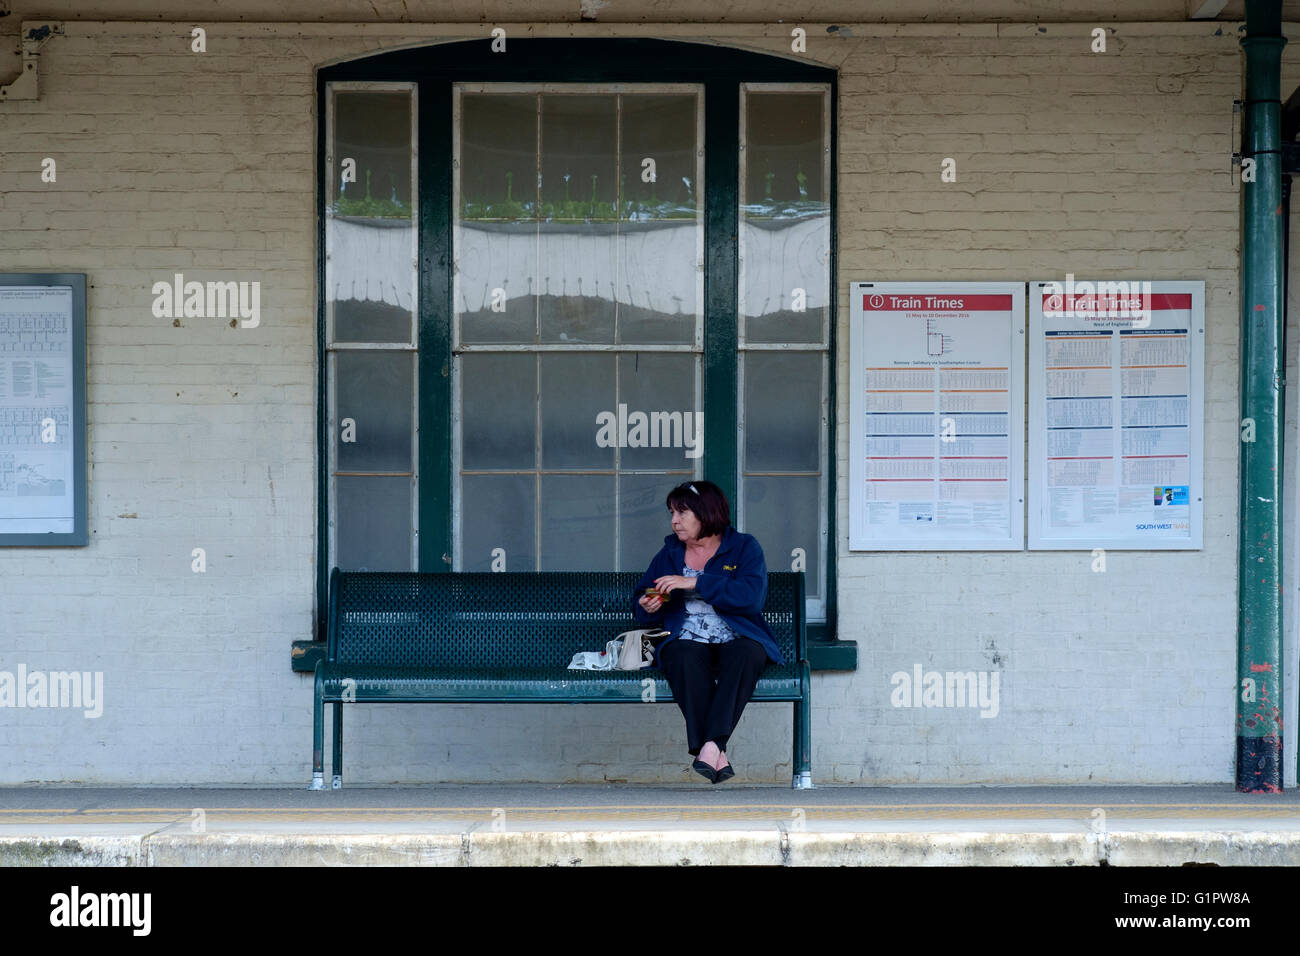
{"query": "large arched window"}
[(558, 280)]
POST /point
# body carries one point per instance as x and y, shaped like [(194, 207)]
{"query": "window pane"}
[(664, 426), (783, 411), (575, 389), (496, 279), (499, 411), (658, 290), (659, 300), (499, 511), (496, 238), (498, 156), (576, 300), (579, 151), (373, 389), (579, 190), (644, 515), (661, 128), (577, 522), (783, 513), (784, 140), (373, 523), (785, 219), (370, 267)]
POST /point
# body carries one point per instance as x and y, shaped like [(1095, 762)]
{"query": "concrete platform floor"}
[(540, 824)]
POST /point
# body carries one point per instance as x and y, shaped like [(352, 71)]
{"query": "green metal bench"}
[(508, 637)]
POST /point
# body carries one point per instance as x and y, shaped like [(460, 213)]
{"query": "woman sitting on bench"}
[(707, 586)]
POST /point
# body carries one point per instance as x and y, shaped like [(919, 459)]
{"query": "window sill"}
[(826, 653)]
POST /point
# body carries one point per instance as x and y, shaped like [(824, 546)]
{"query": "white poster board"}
[(1116, 414), (42, 395), (936, 416)]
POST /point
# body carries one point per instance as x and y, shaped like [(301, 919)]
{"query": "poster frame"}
[(76, 371), (860, 538), (1038, 539)]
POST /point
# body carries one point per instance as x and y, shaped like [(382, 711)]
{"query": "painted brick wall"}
[(202, 435)]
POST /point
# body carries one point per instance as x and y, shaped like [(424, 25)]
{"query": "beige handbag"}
[(638, 649)]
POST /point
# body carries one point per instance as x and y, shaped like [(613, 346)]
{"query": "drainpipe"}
[(1259, 535)]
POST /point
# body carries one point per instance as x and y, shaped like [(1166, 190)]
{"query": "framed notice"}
[(1116, 414), (42, 409), (936, 416)]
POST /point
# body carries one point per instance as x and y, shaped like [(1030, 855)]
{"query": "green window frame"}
[(721, 71)]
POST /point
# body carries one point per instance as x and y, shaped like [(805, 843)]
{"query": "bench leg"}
[(803, 733), (317, 736), (337, 766)]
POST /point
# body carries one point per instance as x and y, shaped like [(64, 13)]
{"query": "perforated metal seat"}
[(484, 637)]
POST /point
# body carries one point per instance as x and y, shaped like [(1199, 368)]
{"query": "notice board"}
[(1116, 414), (42, 409), (936, 416)]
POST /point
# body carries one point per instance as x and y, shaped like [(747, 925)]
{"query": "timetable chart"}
[(36, 409), (1115, 421), (935, 403)]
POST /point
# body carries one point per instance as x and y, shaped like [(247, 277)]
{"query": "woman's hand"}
[(651, 602), (674, 582)]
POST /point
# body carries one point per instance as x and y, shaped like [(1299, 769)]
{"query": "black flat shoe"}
[(726, 773), (705, 771)]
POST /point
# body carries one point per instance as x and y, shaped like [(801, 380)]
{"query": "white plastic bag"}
[(606, 660)]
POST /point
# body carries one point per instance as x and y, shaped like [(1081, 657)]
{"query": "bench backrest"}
[(503, 619)]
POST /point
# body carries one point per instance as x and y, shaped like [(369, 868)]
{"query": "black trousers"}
[(711, 709)]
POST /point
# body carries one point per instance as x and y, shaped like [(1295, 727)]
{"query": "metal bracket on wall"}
[(34, 34)]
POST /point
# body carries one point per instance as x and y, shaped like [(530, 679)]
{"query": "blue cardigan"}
[(734, 582)]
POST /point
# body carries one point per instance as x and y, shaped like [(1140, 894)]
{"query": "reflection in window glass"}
[(370, 227), (579, 239), (370, 307), (785, 218), (784, 305), (658, 239)]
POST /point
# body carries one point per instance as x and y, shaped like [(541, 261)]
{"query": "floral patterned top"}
[(702, 622)]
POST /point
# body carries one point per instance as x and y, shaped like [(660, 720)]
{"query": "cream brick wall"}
[(202, 435)]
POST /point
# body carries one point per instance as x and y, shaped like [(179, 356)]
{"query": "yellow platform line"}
[(661, 808)]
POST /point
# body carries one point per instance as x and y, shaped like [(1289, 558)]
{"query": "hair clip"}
[(694, 489)]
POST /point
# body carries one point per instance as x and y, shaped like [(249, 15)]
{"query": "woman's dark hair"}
[(708, 503)]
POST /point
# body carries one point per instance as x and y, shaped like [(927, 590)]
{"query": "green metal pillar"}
[(1259, 536)]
